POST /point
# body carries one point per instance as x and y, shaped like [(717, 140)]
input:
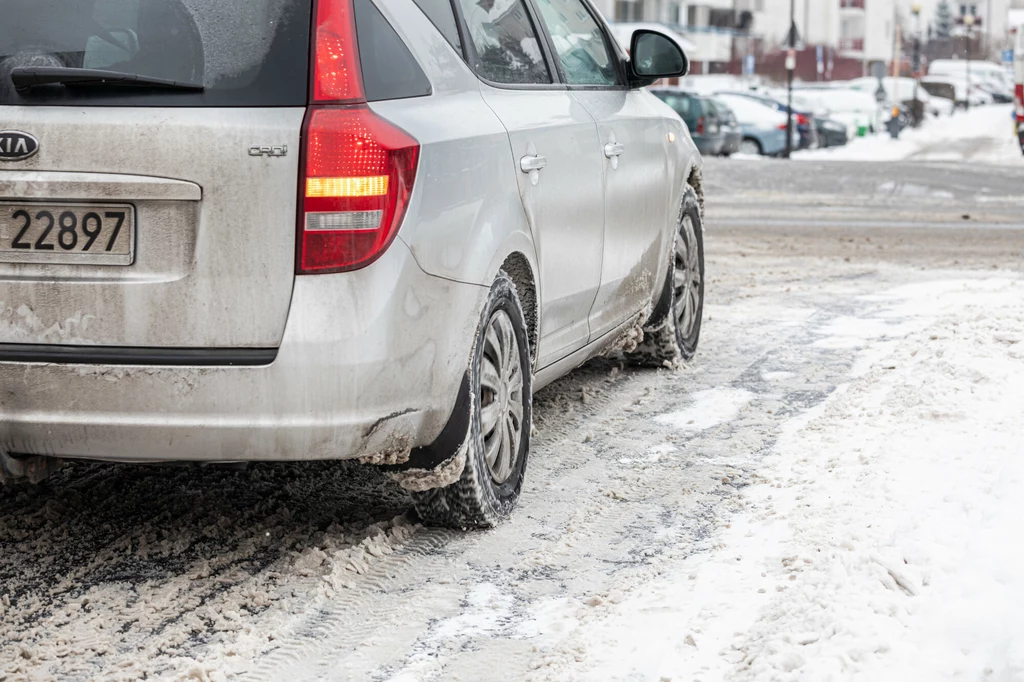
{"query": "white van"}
[(994, 75)]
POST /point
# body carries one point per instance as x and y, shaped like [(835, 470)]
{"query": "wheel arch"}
[(695, 179), (519, 268)]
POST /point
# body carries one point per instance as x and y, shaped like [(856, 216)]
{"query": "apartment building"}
[(862, 30), (854, 29), (709, 24)]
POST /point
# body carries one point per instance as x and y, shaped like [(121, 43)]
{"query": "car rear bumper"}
[(371, 362), (773, 142), (709, 144)]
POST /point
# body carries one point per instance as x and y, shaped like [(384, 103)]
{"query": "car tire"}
[(750, 146), (501, 410), (672, 333)]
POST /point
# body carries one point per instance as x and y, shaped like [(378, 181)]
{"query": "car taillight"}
[(336, 73), (1019, 97), (802, 120), (359, 173), (357, 169), (783, 126), (700, 125)]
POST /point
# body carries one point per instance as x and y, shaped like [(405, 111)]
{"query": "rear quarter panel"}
[(465, 216)]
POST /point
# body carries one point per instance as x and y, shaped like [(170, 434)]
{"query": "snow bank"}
[(883, 542), (990, 126)]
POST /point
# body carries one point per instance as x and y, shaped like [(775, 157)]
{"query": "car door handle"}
[(528, 164), (611, 150)]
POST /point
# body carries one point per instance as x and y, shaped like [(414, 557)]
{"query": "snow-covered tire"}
[(489, 487), (672, 333)]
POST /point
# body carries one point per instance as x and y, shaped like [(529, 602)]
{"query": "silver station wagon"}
[(241, 230)]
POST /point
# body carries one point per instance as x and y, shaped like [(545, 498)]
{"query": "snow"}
[(981, 135), (880, 542), (831, 491), (710, 408)]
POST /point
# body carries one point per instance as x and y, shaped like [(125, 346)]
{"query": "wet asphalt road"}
[(315, 570)]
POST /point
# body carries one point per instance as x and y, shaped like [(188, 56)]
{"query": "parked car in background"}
[(831, 133), (904, 92), (1018, 86), (764, 128), (939, 86), (859, 111), (732, 133), (994, 76), (700, 118), (398, 228), (803, 119), (999, 94)]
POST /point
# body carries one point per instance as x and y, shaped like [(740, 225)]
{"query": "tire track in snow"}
[(629, 516)]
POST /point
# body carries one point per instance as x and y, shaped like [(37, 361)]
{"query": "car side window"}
[(580, 43), (389, 69), (442, 15), (505, 41)]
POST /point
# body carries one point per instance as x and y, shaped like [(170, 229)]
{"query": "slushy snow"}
[(882, 541)]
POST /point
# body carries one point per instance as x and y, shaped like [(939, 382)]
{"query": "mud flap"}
[(442, 461)]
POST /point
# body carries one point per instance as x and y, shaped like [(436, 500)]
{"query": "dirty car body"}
[(312, 204)]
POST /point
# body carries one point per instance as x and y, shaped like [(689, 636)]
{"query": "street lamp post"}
[(790, 67), (915, 9)]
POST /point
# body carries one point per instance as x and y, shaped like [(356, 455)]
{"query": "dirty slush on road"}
[(320, 570)]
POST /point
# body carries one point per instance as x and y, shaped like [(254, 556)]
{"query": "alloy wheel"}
[(501, 397), (686, 278)]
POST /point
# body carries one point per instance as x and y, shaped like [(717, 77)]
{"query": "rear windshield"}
[(245, 52)]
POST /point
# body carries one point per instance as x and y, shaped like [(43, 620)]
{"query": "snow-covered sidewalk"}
[(882, 541), (981, 135)]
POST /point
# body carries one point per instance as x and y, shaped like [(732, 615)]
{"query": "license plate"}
[(67, 233)]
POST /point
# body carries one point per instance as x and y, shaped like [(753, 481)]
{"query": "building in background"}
[(837, 39), (1015, 17), (714, 26), (732, 35)]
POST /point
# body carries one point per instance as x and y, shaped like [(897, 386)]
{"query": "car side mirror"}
[(654, 56)]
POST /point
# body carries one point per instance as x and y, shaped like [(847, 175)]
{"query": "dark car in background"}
[(700, 117), (731, 131), (831, 133), (803, 120)]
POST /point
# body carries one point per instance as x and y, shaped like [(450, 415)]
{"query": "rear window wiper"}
[(26, 78)]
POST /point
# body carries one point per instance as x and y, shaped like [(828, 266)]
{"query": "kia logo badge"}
[(16, 146)]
